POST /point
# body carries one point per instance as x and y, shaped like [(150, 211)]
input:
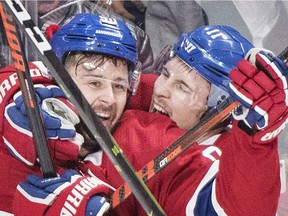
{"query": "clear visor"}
[(165, 55), (98, 82), (178, 80), (186, 85), (134, 78), (216, 94)]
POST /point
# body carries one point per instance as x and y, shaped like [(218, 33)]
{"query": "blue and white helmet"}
[(213, 51), (88, 32)]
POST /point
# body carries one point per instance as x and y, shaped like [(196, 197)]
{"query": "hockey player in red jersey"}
[(102, 71), (238, 175), (229, 171)]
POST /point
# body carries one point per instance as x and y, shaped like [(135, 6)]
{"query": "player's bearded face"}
[(105, 87), (181, 93)]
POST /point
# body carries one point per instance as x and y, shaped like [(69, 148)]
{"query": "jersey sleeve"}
[(242, 178), (246, 178), (248, 181), (232, 176), (21, 147)]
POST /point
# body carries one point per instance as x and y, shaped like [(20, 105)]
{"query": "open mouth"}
[(103, 116), (159, 109)]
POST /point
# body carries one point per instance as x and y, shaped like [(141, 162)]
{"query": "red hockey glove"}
[(59, 117), (262, 91), (69, 194)]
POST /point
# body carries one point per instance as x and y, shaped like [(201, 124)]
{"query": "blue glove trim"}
[(97, 205)]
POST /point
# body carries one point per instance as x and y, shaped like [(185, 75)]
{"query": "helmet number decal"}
[(108, 21), (216, 33)]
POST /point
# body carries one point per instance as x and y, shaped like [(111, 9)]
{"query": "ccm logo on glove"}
[(274, 133), (261, 88)]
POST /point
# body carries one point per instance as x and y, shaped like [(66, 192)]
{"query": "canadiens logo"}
[(274, 133)]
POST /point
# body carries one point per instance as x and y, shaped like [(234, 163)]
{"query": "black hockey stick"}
[(191, 136), (89, 117), (28, 93)]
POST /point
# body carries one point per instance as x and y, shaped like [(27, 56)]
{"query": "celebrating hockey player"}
[(232, 173), (228, 172), (100, 55)]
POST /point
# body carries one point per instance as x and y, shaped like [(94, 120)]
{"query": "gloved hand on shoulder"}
[(68, 194), (261, 88), (59, 117)]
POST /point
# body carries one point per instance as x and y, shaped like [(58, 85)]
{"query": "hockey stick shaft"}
[(153, 167), (89, 117), (178, 147), (28, 93)]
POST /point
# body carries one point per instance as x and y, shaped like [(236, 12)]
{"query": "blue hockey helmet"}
[(88, 32), (213, 51)]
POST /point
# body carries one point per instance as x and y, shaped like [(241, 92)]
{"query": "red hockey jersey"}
[(228, 174), (18, 156)]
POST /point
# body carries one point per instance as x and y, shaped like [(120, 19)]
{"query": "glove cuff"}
[(270, 133), (73, 200)]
